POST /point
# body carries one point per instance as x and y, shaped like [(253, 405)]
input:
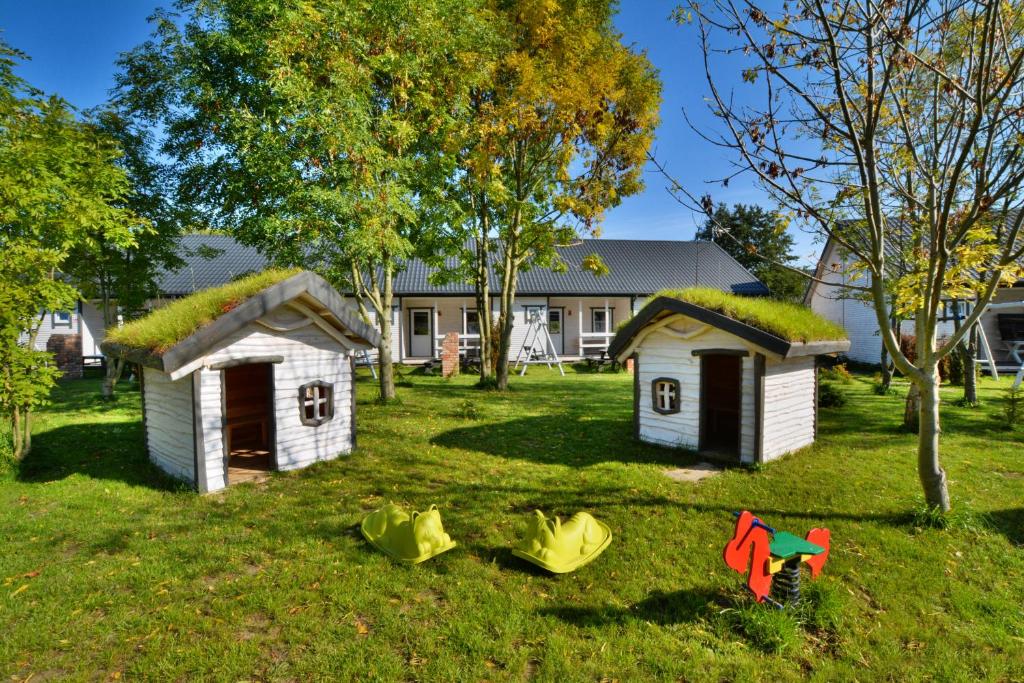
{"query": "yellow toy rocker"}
[(404, 537), (561, 548)]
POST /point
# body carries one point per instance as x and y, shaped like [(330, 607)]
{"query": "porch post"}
[(433, 333), (607, 324), (401, 330), (579, 322)]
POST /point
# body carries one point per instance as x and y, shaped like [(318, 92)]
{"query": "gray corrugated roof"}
[(210, 260), (639, 267)]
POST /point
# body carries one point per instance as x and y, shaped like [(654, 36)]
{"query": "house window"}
[(61, 318), (599, 322), (472, 323), (316, 403), (665, 393)]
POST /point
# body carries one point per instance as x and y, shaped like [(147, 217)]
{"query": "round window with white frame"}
[(665, 395)]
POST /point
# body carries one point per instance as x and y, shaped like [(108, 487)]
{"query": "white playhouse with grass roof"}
[(259, 377), (725, 384)]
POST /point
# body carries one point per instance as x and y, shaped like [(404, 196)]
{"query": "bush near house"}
[(111, 570)]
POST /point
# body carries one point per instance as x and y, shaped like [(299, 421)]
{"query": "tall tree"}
[(757, 238), (883, 118), (314, 130), (60, 187), (559, 135), (122, 278)]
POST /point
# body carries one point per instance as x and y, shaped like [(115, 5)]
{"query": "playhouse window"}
[(665, 392), (316, 403), (61, 319)]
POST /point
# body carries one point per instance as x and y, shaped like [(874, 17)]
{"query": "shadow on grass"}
[(100, 450), (659, 608), (1010, 523), (576, 440)]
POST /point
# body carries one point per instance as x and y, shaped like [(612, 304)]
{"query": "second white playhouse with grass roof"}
[(732, 377)]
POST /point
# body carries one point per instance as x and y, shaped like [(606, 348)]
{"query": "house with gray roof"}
[(581, 310)]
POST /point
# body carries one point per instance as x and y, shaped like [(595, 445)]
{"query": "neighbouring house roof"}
[(210, 260), (789, 330), (175, 335), (637, 267)]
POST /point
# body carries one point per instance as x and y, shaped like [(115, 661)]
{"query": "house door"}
[(248, 421), (555, 329), (421, 343), (720, 400)]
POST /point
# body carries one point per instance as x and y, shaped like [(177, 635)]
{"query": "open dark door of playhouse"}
[(249, 421), (720, 402)]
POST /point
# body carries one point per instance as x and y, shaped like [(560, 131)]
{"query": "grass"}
[(791, 322), (168, 325), (111, 570)]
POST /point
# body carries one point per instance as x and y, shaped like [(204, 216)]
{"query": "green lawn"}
[(109, 570)]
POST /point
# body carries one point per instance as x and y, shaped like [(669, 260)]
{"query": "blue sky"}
[(73, 45)]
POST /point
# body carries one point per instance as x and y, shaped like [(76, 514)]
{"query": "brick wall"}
[(67, 353), (450, 355)]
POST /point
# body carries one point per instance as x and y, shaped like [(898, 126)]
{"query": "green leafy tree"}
[(558, 135), (60, 188), (123, 278), (757, 238), (316, 131), (872, 121)]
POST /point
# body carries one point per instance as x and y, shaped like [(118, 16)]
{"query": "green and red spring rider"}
[(774, 558)]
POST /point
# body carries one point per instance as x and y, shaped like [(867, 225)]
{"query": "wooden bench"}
[(248, 415)]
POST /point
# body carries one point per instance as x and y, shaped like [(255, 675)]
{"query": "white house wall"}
[(836, 302), (789, 390), (93, 333), (309, 354), (663, 355), (168, 412), (990, 321)]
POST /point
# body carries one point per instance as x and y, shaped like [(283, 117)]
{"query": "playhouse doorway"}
[(720, 401), (249, 421)]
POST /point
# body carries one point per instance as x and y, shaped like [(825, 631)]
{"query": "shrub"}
[(468, 410), (830, 396), (837, 373), (1013, 408), (882, 390)]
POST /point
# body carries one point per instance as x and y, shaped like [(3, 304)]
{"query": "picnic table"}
[(601, 360)]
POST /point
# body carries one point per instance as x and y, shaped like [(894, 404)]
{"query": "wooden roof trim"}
[(203, 340), (777, 345)]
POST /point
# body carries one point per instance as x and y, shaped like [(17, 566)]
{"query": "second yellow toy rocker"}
[(561, 548)]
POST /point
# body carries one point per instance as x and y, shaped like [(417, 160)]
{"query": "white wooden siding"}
[(662, 355), (309, 354), (840, 304), (788, 406), (169, 424)]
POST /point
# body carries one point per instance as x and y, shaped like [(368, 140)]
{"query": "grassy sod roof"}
[(792, 322), (165, 327), (788, 330)]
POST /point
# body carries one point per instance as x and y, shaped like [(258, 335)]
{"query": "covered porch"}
[(579, 326)]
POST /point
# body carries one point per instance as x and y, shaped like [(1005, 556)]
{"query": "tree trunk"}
[(483, 304), (933, 477), (886, 370), (115, 366), (912, 409), (507, 315), (17, 443), (387, 369), (971, 368)]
